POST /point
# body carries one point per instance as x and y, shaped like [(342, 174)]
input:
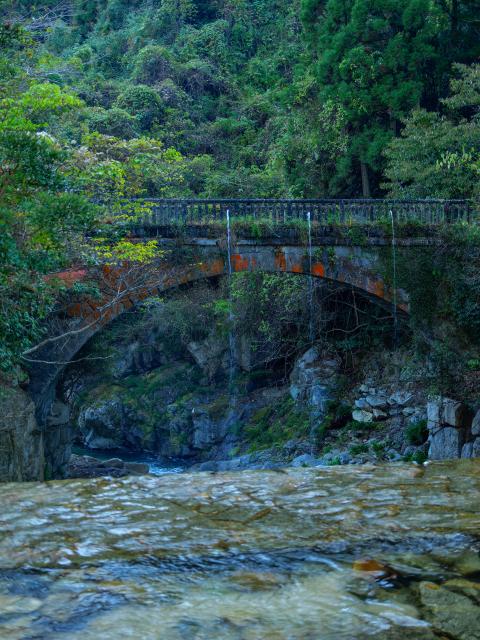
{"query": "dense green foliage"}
[(267, 98), (102, 100), (47, 189), (379, 60)]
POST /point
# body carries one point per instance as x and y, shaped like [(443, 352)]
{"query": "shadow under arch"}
[(350, 267)]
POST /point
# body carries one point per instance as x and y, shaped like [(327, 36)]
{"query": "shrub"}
[(144, 103), (358, 449), (416, 432), (152, 64), (112, 122)]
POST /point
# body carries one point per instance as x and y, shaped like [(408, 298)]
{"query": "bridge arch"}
[(352, 266)]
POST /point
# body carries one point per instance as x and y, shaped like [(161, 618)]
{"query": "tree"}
[(113, 122), (115, 170), (144, 104), (439, 154), (380, 59), (152, 64)]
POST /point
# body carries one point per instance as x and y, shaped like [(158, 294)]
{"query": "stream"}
[(156, 465), (331, 553)]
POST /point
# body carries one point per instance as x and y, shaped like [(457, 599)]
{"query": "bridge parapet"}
[(162, 212)]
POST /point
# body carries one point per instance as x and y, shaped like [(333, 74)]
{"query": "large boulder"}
[(475, 429), (211, 355), (103, 424), (138, 357), (58, 440), (450, 429), (205, 430), (314, 378), (90, 467), (445, 443), (452, 610), (21, 439)]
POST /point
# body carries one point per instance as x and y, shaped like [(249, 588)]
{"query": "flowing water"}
[(340, 553), (156, 466)]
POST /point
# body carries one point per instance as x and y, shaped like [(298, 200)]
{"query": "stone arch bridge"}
[(345, 242), (358, 257)]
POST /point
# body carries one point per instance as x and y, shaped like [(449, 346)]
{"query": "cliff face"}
[(21, 439)]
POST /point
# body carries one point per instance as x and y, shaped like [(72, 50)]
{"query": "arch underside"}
[(348, 267)]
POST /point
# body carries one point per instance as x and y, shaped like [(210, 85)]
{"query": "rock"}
[(112, 462), (58, 440), (449, 412), (453, 413), (137, 468), (90, 467), (207, 431), (290, 446), (59, 414), (445, 443), (247, 357), (210, 355), (21, 439), (362, 403), (378, 414), (102, 424), (372, 567), (393, 455), (467, 450), (470, 589), (449, 426), (476, 448), (433, 412), (305, 460), (409, 411), (475, 429), (377, 401), (400, 397), (210, 465), (394, 412), (139, 355), (313, 380), (451, 612), (362, 416)]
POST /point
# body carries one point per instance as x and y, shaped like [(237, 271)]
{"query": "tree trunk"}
[(365, 180)]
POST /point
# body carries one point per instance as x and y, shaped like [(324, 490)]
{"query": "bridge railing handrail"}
[(325, 211)]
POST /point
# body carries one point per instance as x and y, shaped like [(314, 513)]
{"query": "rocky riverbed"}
[(180, 411), (388, 552)]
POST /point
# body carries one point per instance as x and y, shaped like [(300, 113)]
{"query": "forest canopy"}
[(102, 101), (301, 98)]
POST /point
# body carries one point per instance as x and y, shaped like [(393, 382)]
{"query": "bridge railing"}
[(322, 211)]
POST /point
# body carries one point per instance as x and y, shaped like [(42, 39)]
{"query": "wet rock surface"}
[(90, 467), (453, 608), (21, 438), (454, 430)]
